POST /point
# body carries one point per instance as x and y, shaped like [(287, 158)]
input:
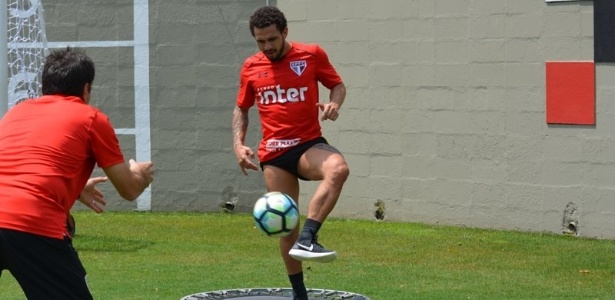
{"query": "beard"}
[(277, 55)]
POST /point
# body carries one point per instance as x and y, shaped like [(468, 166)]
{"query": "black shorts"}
[(45, 268), (289, 161)]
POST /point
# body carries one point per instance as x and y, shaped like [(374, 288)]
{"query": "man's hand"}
[(244, 159), (145, 169), (91, 196), (329, 111)]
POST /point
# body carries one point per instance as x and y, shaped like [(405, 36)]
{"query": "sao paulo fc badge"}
[(298, 66)]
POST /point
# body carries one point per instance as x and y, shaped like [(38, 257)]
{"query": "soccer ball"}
[(276, 214)]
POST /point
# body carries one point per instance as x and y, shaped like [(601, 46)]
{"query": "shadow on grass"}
[(97, 243)]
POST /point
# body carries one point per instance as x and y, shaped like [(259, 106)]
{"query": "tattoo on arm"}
[(327, 147), (240, 125)]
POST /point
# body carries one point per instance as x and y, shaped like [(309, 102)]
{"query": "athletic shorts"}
[(289, 160), (45, 268)]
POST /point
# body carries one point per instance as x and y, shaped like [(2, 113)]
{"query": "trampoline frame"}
[(277, 292)]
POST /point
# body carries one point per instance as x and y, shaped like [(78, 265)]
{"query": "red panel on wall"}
[(571, 92)]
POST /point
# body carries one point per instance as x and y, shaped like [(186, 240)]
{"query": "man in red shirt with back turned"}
[(48, 149), (282, 80)]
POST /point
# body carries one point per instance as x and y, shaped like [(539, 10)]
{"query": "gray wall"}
[(445, 116), (444, 120), (196, 51)]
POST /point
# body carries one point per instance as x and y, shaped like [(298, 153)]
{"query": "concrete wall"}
[(444, 121), (445, 115), (196, 49)]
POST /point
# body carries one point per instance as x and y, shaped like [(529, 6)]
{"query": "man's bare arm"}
[(338, 94), (243, 153), (240, 126), (330, 111), (130, 179)]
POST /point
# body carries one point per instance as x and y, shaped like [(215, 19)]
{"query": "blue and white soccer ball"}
[(276, 214)]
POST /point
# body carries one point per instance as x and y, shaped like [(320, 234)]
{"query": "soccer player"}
[(48, 149), (282, 80)]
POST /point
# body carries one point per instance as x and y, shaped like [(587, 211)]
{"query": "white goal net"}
[(27, 47)]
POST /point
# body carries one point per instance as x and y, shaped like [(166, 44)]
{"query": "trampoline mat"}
[(274, 294)]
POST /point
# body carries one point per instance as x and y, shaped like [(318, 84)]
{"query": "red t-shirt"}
[(48, 149), (286, 93)]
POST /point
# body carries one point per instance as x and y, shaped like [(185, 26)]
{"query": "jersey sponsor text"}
[(273, 145), (276, 94)]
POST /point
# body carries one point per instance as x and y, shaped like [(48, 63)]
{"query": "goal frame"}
[(4, 58)]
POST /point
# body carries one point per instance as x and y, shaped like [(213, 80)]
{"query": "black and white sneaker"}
[(311, 251)]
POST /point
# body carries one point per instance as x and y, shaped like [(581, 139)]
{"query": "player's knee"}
[(339, 173)]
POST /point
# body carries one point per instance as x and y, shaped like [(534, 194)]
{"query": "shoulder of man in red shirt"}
[(305, 47), (254, 58)]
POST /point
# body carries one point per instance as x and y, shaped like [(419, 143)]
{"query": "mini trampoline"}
[(274, 294)]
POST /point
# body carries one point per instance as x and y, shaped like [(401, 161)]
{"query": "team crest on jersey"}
[(298, 66)]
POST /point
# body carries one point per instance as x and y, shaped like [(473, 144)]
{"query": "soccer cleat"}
[(311, 251)]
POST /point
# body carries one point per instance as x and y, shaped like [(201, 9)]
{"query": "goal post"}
[(4, 79), (25, 50)]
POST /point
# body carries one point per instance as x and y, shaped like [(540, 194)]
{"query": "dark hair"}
[(265, 17), (66, 71)]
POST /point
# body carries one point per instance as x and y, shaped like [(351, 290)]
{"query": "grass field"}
[(132, 255)]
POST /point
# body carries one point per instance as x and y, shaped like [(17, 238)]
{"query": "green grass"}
[(131, 255)]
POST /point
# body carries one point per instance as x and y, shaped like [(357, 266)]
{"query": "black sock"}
[(310, 229), (296, 280)]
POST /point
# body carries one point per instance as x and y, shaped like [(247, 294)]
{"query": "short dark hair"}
[(265, 17), (66, 71)]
